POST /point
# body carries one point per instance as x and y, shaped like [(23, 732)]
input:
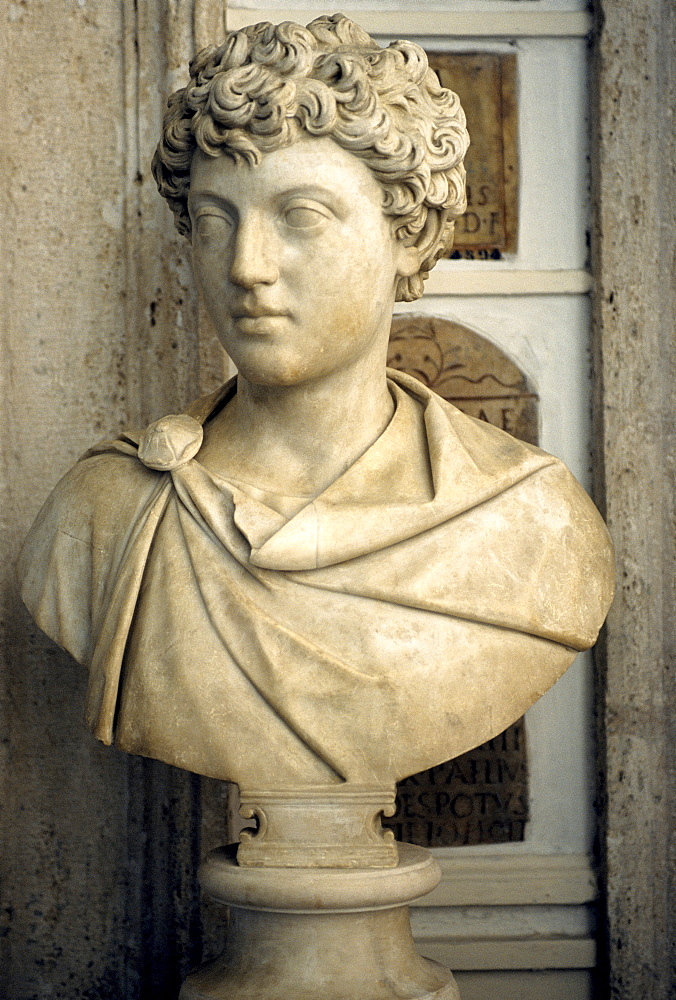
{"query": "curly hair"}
[(268, 84)]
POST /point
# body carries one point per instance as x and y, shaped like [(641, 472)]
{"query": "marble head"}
[(269, 85)]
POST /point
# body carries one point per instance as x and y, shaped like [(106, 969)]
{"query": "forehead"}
[(312, 162)]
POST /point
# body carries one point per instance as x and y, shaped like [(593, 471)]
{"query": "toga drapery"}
[(359, 639)]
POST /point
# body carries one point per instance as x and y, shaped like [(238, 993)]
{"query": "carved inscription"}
[(481, 797), (486, 85)]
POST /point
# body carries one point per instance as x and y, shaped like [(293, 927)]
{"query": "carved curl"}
[(268, 84)]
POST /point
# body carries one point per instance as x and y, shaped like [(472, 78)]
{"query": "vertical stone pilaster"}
[(65, 382), (208, 23), (634, 266)]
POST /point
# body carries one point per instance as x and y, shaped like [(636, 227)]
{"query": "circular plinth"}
[(329, 890), (329, 933)]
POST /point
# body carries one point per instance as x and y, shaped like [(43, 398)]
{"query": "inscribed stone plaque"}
[(482, 796), (486, 85)]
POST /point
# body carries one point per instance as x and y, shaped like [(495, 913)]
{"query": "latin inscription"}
[(486, 85), (479, 798)]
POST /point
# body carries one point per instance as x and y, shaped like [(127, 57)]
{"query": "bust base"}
[(317, 827), (342, 934)]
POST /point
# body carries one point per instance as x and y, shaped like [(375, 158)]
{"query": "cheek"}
[(210, 270), (360, 265)]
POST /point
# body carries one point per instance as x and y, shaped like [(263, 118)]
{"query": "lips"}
[(256, 311), (260, 321)]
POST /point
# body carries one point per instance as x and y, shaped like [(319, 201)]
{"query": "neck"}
[(298, 439)]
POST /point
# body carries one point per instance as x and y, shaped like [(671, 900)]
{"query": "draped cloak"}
[(413, 609)]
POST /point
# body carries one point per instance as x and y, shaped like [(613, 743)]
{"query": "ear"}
[(408, 260), (432, 232), (412, 255)]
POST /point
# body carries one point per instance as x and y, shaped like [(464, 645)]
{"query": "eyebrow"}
[(206, 194), (317, 191)]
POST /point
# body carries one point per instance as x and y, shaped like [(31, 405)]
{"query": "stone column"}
[(634, 200)]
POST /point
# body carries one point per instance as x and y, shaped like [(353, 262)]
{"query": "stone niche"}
[(482, 796)]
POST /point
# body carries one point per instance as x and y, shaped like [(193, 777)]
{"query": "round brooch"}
[(170, 442)]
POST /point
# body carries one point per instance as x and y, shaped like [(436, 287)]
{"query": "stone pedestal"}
[(338, 934), (318, 827)]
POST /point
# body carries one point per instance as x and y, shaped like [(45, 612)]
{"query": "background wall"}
[(101, 329), (634, 255)]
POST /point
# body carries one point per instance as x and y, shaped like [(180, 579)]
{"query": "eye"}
[(306, 216), (212, 225)]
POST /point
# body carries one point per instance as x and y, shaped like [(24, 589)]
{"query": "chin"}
[(272, 375), (266, 363)]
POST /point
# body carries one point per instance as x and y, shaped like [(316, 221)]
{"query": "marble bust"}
[(322, 575)]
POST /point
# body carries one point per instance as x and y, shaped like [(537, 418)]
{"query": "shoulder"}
[(529, 547), (113, 479), (557, 539), (101, 492), (76, 542)]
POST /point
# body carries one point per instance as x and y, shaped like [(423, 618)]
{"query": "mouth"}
[(256, 311), (258, 322)]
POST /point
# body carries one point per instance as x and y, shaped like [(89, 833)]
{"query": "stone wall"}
[(634, 266), (100, 329)]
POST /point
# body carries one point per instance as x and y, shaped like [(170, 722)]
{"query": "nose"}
[(254, 260)]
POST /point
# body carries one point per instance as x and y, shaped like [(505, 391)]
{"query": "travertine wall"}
[(635, 364), (99, 330)]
